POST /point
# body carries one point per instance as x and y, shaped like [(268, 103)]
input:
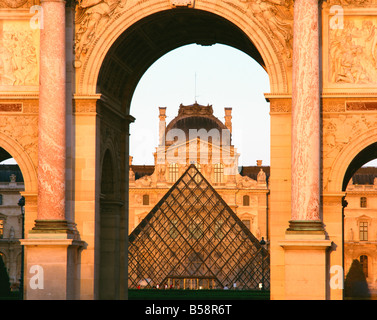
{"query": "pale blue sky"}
[(225, 77)]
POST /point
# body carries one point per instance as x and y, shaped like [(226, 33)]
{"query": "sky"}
[(218, 75)]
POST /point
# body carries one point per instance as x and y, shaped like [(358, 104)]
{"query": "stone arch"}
[(359, 151), (23, 160), (266, 50)]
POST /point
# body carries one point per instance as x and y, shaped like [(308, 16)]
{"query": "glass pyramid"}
[(193, 240)]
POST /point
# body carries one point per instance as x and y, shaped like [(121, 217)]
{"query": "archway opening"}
[(360, 234), (11, 220), (132, 55), (150, 38)]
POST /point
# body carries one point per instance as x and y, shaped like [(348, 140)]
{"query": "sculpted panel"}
[(276, 16), (13, 4), (18, 54), (340, 130), (91, 16), (353, 51)]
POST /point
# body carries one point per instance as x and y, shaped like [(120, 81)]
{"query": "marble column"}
[(306, 115), (52, 114)]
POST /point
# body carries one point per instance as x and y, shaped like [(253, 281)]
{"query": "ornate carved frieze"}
[(349, 3), (362, 106), (10, 107), (281, 106)]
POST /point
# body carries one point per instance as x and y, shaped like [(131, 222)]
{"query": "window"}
[(219, 173), (363, 202), (364, 264), (1, 199), (146, 200), (363, 231), (173, 172), (246, 200)]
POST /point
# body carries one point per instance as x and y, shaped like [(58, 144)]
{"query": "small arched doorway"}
[(12, 220), (360, 187)]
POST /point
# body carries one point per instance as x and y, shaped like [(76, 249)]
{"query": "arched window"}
[(364, 264), (173, 172), (246, 200), (219, 173), (363, 202), (146, 200)]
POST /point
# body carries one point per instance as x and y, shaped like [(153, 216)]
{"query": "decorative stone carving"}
[(245, 182), (90, 15), (283, 105), (339, 131), (13, 4), (10, 107), (353, 51), (277, 17), (261, 178), (18, 56), (353, 3), (182, 3), (145, 181)]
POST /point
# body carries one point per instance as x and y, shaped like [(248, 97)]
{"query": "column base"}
[(302, 229), (305, 255), (51, 268), (55, 229)]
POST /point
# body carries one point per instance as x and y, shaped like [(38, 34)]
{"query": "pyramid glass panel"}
[(192, 239)]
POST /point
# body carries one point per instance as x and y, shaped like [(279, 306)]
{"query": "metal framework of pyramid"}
[(192, 240)]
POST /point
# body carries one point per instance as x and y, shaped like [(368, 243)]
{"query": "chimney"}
[(228, 118), (162, 126)]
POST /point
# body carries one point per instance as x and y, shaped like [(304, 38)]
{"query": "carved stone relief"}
[(277, 17), (14, 4), (24, 130), (92, 15), (339, 131), (353, 51), (18, 54), (350, 3)]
